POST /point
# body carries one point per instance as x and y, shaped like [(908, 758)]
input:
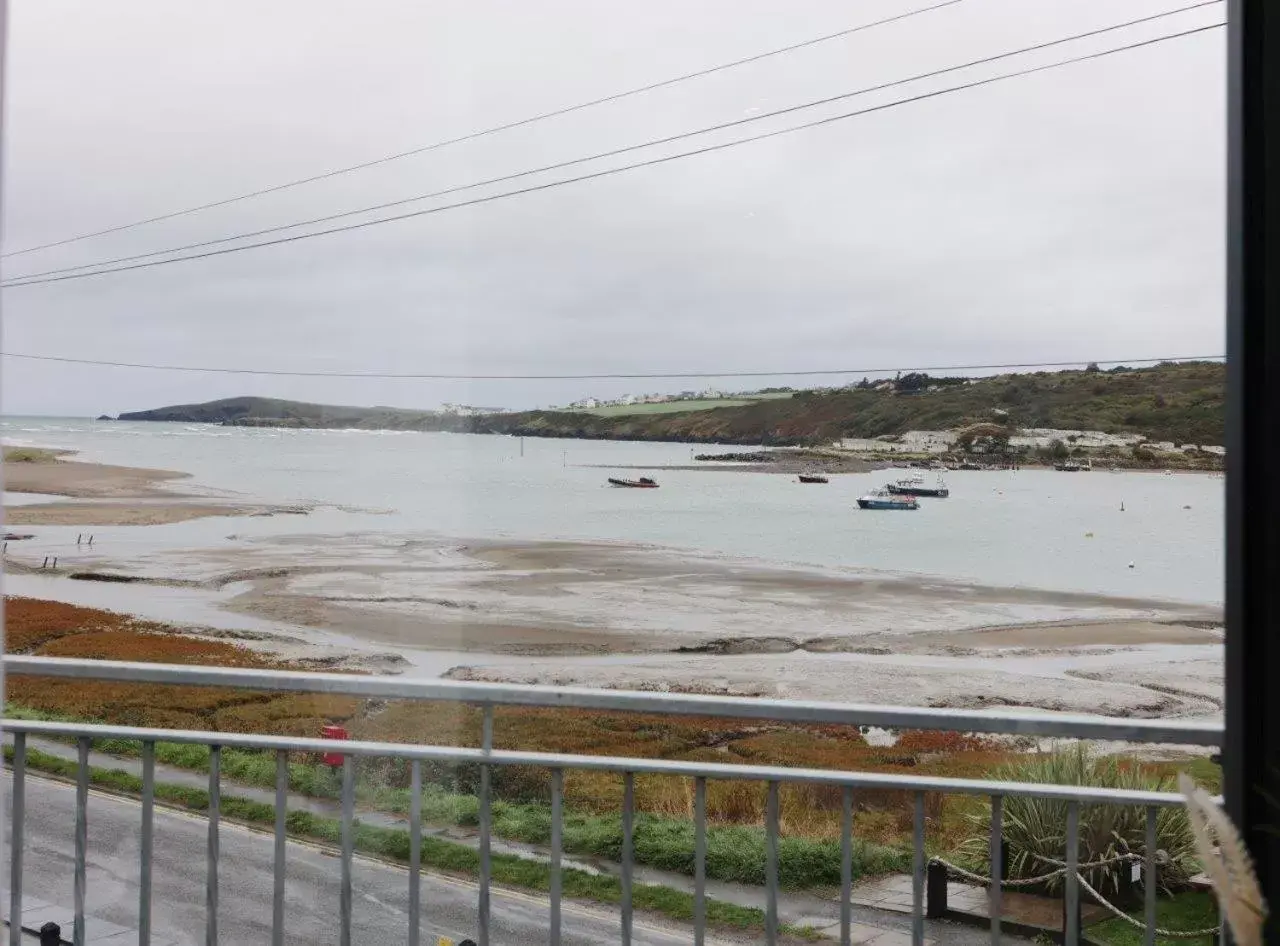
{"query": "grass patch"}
[(665, 407), (1194, 910), (393, 844), (30, 455)]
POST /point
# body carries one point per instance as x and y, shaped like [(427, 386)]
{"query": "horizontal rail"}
[(549, 760), (1007, 722)]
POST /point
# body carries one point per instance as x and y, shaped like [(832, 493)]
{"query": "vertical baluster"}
[(1149, 879), (486, 865), (557, 842), (628, 842), (145, 842), (1071, 928), (211, 876), (348, 848), (846, 866), (997, 843), (15, 837), (771, 865), (415, 852), (278, 861), (917, 874), (699, 861), (82, 837)]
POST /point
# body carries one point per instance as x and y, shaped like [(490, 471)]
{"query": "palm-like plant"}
[(1035, 828)]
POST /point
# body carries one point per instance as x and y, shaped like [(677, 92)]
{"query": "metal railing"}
[(486, 758)]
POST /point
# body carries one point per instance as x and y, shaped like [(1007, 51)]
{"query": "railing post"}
[(1071, 896), (18, 805), (917, 873), (935, 896), (999, 857)]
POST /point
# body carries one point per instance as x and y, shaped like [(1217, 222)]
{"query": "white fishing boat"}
[(883, 499)]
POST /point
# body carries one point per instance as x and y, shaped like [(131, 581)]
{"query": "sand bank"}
[(53, 475), (107, 495)]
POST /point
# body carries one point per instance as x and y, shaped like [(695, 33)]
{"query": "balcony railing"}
[(486, 758)]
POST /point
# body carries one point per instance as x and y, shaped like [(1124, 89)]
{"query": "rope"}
[(1161, 858), (986, 881), (1111, 907), (1168, 934)]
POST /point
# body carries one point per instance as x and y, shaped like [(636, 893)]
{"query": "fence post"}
[(1065, 924), (935, 891)]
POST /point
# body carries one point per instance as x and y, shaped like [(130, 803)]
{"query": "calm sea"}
[(1028, 528)]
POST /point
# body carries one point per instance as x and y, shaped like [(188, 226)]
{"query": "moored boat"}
[(813, 478), (883, 499), (914, 486), (642, 483)]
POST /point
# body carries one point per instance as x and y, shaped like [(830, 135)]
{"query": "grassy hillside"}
[(268, 411), (677, 407), (1184, 403)]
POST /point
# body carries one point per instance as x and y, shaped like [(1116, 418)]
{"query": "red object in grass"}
[(334, 732)]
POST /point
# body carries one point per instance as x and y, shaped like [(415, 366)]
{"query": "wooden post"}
[(935, 903)]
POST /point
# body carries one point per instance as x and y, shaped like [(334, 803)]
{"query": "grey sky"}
[(1077, 213)]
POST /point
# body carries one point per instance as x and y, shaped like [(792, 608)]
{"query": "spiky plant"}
[(1036, 828)]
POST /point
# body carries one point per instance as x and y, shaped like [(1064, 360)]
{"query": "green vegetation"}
[(30, 455), (663, 407), (1183, 403), (1035, 828), (393, 844), (1192, 910), (684, 406)]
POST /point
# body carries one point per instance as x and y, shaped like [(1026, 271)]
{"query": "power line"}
[(598, 377), (18, 283), (16, 280), (472, 136)]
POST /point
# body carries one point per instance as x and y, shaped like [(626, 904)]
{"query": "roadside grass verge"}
[(393, 844)]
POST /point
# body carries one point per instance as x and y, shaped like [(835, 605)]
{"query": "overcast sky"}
[(1071, 214)]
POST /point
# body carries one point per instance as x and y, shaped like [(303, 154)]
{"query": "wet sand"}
[(116, 513), (978, 681), (72, 478), (630, 616), (108, 495)]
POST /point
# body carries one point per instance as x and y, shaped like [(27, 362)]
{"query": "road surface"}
[(380, 891)]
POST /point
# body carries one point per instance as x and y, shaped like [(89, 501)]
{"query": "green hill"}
[(1185, 403)]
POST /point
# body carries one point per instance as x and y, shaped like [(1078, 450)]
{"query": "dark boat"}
[(643, 483), (915, 487), (812, 478)]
